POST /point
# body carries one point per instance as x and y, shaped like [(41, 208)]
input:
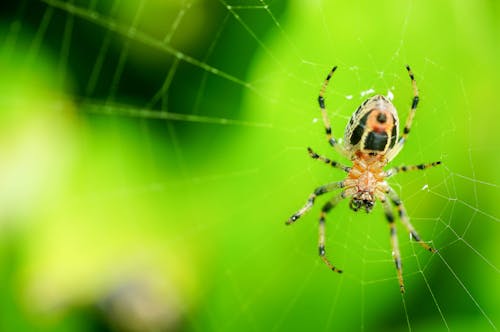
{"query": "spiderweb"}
[(192, 121)]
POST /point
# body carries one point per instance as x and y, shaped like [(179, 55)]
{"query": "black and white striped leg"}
[(406, 221), (321, 101), (324, 115), (414, 104), (321, 239), (409, 120), (310, 201), (328, 161), (399, 169), (394, 243)]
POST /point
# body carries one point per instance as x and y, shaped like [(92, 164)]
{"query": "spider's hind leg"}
[(406, 221), (321, 240), (394, 242)]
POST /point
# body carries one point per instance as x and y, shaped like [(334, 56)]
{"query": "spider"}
[(370, 142)]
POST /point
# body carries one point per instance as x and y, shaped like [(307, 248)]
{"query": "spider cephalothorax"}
[(370, 142), (365, 181)]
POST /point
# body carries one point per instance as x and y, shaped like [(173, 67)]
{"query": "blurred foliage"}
[(152, 150)]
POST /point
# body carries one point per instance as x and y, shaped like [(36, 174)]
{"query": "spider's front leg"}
[(328, 128), (321, 241), (310, 201), (409, 120)]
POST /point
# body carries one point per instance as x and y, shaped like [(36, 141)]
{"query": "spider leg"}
[(394, 242), (321, 240), (326, 120), (335, 164), (406, 221), (394, 152), (398, 169), (310, 201)]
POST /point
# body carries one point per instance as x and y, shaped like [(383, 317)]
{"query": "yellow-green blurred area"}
[(151, 151)]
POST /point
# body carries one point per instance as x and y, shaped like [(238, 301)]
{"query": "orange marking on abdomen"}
[(377, 126)]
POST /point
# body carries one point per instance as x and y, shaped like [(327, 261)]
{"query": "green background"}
[(151, 152)]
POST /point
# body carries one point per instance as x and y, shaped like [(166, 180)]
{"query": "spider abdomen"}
[(373, 128)]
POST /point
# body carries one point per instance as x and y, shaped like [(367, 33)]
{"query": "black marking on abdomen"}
[(356, 135), (393, 135), (381, 118), (376, 141), (358, 131)]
